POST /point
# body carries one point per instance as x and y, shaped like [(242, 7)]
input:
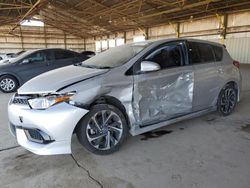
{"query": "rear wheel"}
[(103, 130), (227, 100), (8, 84)]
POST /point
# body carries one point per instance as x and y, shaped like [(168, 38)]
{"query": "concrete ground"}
[(205, 152)]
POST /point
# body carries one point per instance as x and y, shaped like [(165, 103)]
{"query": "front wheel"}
[(8, 84), (103, 130), (227, 100)]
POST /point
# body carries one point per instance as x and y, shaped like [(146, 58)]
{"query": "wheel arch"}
[(106, 99), (235, 85), (19, 81)]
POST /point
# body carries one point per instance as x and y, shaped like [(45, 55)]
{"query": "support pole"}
[(222, 27), (115, 39), (21, 37), (84, 44), (45, 37), (125, 37), (146, 32), (177, 30), (65, 43), (225, 26), (108, 41)]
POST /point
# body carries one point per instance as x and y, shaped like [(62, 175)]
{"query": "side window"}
[(194, 54), (63, 54), (36, 57), (166, 56), (218, 52), (200, 53), (48, 55)]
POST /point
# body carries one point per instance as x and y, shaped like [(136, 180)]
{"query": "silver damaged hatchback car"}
[(132, 88)]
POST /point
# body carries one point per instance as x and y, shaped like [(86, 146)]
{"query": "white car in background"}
[(4, 58)]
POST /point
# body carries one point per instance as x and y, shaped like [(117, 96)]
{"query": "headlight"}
[(49, 100)]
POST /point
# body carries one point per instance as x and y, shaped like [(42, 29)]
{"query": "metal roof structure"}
[(89, 18)]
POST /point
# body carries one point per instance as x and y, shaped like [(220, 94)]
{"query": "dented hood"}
[(54, 80)]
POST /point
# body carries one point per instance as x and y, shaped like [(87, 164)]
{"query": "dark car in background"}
[(89, 54), (17, 71)]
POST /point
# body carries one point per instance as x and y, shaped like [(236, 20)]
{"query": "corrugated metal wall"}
[(239, 47), (27, 38), (237, 40)]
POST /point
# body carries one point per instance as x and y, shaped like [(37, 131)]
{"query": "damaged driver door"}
[(163, 93)]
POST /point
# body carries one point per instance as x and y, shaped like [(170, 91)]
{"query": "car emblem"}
[(21, 119)]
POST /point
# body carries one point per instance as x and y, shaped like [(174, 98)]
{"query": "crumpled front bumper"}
[(58, 122)]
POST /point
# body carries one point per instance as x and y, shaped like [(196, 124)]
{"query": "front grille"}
[(23, 101)]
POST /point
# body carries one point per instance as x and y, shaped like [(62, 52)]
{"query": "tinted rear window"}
[(200, 53), (61, 54), (218, 52)]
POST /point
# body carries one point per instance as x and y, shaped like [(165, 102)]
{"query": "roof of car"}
[(180, 39), (53, 49)]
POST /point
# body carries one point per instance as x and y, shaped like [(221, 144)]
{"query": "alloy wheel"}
[(7, 84), (104, 130), (228, 100)]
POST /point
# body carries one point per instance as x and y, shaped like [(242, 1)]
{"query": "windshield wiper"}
[(94, 66), (104, 67), (6, 61), (80, 64)]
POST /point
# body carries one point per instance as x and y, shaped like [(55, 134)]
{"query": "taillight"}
[(236, 64)]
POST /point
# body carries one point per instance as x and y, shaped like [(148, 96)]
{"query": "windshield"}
[(114, 57), (21, 56)]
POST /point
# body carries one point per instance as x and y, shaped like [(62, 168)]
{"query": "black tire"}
[(8, 84), (227, 100), (87, 129)]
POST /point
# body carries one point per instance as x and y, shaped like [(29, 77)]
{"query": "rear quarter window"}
[(200, 53), (61, 54), (218, 52)]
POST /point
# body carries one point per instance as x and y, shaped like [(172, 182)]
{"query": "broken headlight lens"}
[(45, 102)]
